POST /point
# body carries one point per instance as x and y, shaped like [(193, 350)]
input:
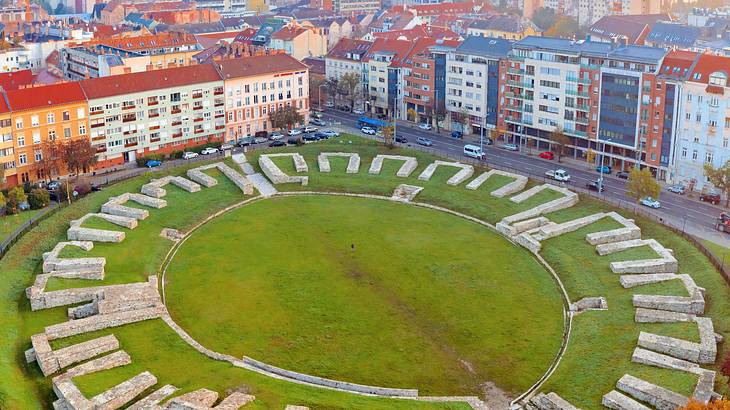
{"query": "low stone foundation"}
[(353, 165), (595, 303), (666, 263), (410, 164), (465, 172), (658, 397), (197, 175), (51, 361), (550, 401), (406, 193), (155, 187), (519, 183), (617, 401), (155, 398), (277, 176)]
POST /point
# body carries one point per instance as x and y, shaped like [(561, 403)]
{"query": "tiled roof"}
[(673, 35), (444, 8), (419, 31), (315, 64), (678, 64), (46, 96), (147, 41), (619, 26), (288, 33), (398, 47), (16, 79), (258, 65), (149, 80), (347, 46), (642, 54), (706, 65), (485, 46), (508, 23)]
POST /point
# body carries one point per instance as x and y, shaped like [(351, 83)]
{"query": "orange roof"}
[(678, 63), (16, 79), (147, 41), (706, 65), (258, 65), (418, 32), (149, 80), (444, 8), (46, 96), (398, 47), (288, 33)]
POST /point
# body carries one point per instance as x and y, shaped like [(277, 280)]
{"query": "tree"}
[(349, 86), (51, 159), (440, 114), (463, 118), (411, 114), (725, 367), (16, 196), (285, 117), (388, 136), (590, 156), (722, 404), (560, 140), (314, 89), (39, 198), (79, 155), (332, 85), (720, 178), (544, 18), (641, 184), (3, 202), (564, 27)]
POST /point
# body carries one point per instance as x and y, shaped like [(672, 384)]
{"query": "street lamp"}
[(603, 154)]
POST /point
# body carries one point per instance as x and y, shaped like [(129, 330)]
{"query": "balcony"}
[(218, 92), (218, 104), (581, 120), (128, 107), (510, 118), (99, 138), (96, 112), (100, 150), (515, 71), (220, 116), (155, 139), (176, 123), (520, 84), (198, 95), (576, 133), (583, 107), (198, 120), (130, 144), (200, 107), (199, 131), (97, 125), (177, 111), (129, 132), (513, 107), (178, 135), (581, 94), (153, 102), (220, 127), (154, 115), (156, 127), (129, 119)]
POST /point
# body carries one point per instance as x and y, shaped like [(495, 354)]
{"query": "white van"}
[(474, 151)]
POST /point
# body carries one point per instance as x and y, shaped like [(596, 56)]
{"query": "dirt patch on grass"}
[(496, 398)]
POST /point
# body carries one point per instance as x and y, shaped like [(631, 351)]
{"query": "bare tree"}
[(79, 155), (52, 159), (559, 139), (349, 86)]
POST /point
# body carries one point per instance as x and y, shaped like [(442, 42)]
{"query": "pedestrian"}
[(352, 246)]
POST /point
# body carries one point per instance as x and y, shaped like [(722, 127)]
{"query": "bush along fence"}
[(27, 226)]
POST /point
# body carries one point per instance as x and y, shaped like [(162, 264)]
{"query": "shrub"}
[(142, 161), (3, 202), (16, 197), (39, 198), (82, 188)]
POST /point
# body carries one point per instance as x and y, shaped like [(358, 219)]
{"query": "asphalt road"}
[(690, 215)]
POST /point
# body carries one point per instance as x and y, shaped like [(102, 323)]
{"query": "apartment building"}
[(704, 134), (157, 111), (346, 57), (257, 86), (383, 63), (606, 98), (472, 83), (53, 112), (300, 42), (7, 145)]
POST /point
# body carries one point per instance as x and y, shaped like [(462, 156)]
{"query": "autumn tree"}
[(720, 178), (3, 202), (388, 135), (560, 140), (349, 86), (721, 404), (565, 27), (16, 196), (544, 18), (79, 155), (52, 159), (642, 184), (285, 117)]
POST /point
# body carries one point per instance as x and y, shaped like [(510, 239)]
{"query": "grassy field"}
[(9, 223), (424, 300), (598, 354)]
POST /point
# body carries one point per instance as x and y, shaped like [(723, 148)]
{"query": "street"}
[(689, 215)]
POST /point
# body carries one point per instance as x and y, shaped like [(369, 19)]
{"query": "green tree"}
[(3, 202), (544, 18), (641, 184), (564, 27), (39, 198), (285, 117), (79, 156), (332, 86), (16, 196), (559, 140), (349, 86), (720, 178)]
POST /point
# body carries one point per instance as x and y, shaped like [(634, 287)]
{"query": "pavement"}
[(680, 211)]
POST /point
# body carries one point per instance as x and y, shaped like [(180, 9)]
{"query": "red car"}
[(547, 155)]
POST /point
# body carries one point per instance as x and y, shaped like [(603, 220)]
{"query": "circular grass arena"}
[(368, 291)]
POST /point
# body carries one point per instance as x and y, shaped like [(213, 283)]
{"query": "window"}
[(34, 121), (51, 118), (23, 159), (718, 78), (38, 155), (82, 129), (51, 135), (66, 116), (19, 124), (36, 137), (21, 140), (708, 158), (67, 133), (684, 152), (80, 113), (694, 155)]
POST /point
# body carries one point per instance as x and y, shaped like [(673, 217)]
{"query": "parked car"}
[(358, 111), (259, 140), (261, 134), (622, 174), (596, 186), (277, 143), (457, 134), (329, 104), (558, 175), (245, 141), (424, 141), (722, 223), (425, 126), (651, 202), (547, 155), (226, 146), (293, 141), (293, 132), (488, 141), (511, 147), (310, 137), (321, 135), (315, 114), (153, 163), (209, 150), (605, 169), (309, 128), (189, 155), (401, 139), (343, 107), (367, 130), (677, 189), (53, 185), (711, 197), (317, 121), (276, 136), (330, 133)]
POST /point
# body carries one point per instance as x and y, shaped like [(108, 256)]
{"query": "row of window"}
[(35, 120)]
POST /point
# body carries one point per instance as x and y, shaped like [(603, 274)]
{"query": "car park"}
[(277, 143), (293, 132), (474, 151), (596, 186), (330, 133), (309, 128), (677, 189), (259, 140), (603, 169), (276, 136), (651, 203), (511, 147), (547, 155), (209, 150), (153, 163), (424, 141), (367, 130), (189, 155), (622, 175), (711, 197), (425, 126), (245, 141)]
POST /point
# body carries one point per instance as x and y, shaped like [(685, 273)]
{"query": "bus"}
[(370, 122)]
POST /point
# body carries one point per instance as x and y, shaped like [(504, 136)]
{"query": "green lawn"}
[(425, 299), (598, 354), (9, 223)]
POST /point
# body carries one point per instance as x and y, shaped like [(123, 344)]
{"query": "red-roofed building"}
[(161, 111), (429, 12), (300, 42), (16, 79), (420, 31), (346, 56), (192, 16), (383, 62), (52, 112)]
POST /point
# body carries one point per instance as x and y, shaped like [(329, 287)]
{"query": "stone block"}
[(110, 361), (235, 401), (155, 187), (551, 401), (86, 350), (405, 192), (617, 401), (519, 183), (681, 349), (200, 177), (657, 396), (124, 392), (465, 172), (154, 398), (705, 388), (661, 316), (277, 176), (293, 407), (630, 281), (569, 199), (94, 235), (99, 322), (694, 304), (629, 231), (649, 358), (708, 343), (202, 398), (409, 164), (353, 164), (589, 303)]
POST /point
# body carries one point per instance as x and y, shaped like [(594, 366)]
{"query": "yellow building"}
[(506, 26)]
